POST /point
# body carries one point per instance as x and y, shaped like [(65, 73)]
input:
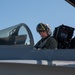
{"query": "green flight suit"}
[(47, 43)]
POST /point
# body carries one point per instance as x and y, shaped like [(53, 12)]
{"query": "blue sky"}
[(32, 12)]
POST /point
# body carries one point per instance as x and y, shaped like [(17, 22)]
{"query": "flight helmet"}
[(43, 27)]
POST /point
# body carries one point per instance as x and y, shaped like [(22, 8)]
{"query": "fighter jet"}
[(19, 57)]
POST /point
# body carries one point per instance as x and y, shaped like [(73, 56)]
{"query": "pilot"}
[(46, 41)]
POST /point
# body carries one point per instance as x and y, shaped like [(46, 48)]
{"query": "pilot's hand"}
[(37, 48)]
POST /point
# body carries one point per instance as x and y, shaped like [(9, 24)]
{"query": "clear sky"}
[(32, 12)]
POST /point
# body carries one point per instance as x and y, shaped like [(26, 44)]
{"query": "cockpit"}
[(20, 34), (16, 35)]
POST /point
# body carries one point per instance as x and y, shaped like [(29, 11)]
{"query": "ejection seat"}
[(63, 34)]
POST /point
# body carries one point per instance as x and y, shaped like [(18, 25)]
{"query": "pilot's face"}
[(43, 34)]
